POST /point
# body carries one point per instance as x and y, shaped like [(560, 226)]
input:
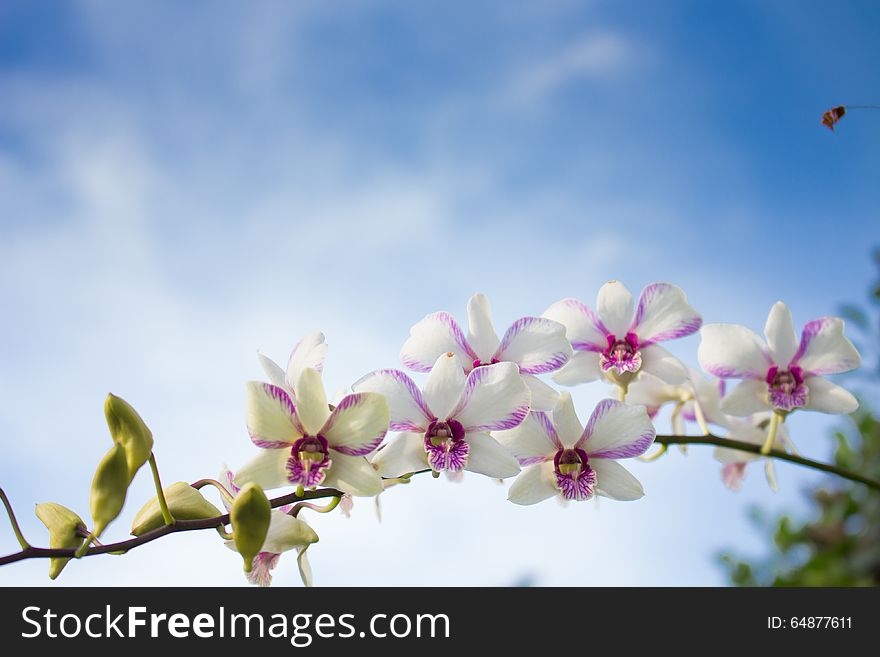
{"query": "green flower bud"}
[(64, 532), (251, 515), (109, 487), (129, 430), (184, 502)]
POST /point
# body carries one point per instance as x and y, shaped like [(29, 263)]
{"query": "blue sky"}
[(181, 185)]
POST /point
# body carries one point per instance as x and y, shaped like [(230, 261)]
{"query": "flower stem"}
[(163, 505), (621, 392), (15, 528), (314, 507), (701, 417), (201, 483), (656, 455), (771, 434)]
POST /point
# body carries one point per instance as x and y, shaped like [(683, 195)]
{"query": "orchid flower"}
[(696, 400), (563, 458), (446, 426), (617, 343), (308, 352), (749, 430), (535, 344), (304, 444), (782, 374), (285, 533)]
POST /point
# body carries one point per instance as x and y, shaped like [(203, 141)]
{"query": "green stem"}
[(621, 392), (752, 448), (314, 507), (201, 483), (15, 528), (166, 514), (771, 434)]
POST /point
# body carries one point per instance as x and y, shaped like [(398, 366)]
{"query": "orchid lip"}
[(445, 445), (623, 355), (786, 388), (309, 461), (575, 479), (478, 363)]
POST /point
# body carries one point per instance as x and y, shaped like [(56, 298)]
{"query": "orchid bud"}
[(251, 515), (65, 529), (130, 431), (286, 533), (109, 488), (184, 503)]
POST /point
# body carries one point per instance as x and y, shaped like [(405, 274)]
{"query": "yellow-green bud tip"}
[(129, 430), (184, 502), (109, 487), (64, 532)]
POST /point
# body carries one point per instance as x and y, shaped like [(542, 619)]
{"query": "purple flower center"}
[(308, 462), (574, 476), (622, 355), (478, 363), (787, 389), (446, 446)]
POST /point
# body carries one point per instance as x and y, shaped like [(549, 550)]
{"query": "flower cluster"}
[(483, 407)]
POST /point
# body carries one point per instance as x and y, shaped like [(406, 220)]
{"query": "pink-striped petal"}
[(358, 424), (663, 314), (409, 412), (536, 344), (617, 431), (583, 327), (824, 349), (436, 334), (271, 416), (731, 351), (494, 398)]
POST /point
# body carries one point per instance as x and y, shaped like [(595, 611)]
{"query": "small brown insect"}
[(832, 116)]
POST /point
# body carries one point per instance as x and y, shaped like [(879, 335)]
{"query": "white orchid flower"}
[(304, 444), (285, 533), (446, 427), (562, 458), (618, 343), (750, 430), (782, 374), (308, 352), (537, 346)]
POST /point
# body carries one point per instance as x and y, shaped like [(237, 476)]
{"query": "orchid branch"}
[(711, 439)]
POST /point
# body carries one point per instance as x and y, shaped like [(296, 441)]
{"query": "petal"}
[(494, 398), (543, 396), (828, 397), (305, 568), (268, 469), (403, 454), (435, 335), (488, 458), (731, 351), (358, 424), (617, 431), (444, 386), (409, 412), (353, 474), (582, 368), (666, 367), (664, 314), (650, 391), (615, 307), (309, 352), (782, 340), (615, 481), (481, 333), (537, 345), (287, 533), (271, 416), (746, 398), (568, 427), (534, 484), (583, 328), (311, 401), (533, 441), (824, 349), (273, 371)]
